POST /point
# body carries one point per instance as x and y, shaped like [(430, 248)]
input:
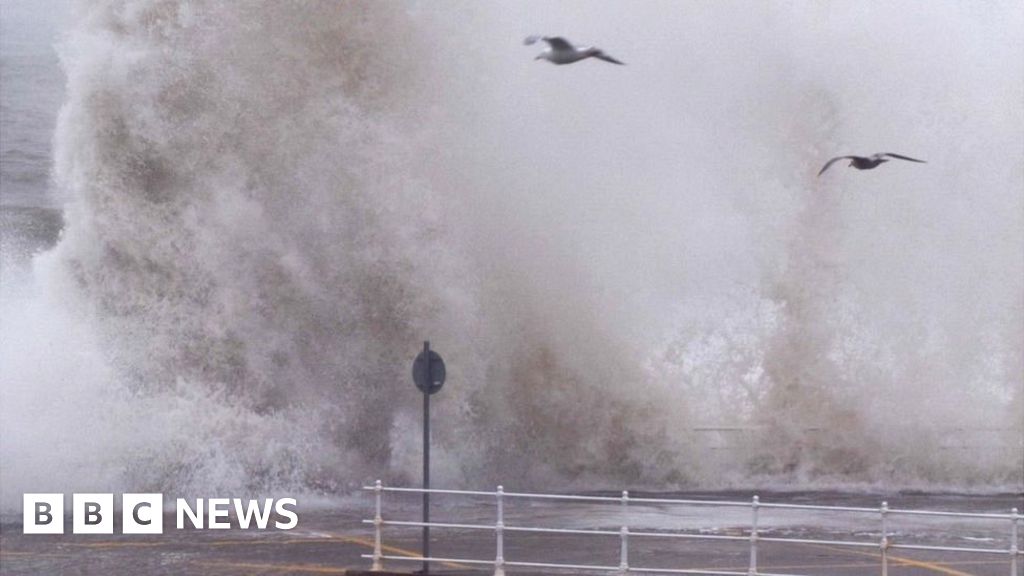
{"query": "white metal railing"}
[(1013, 553)]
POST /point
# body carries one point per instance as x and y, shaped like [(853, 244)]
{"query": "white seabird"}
[(867, 162), (561, 51)]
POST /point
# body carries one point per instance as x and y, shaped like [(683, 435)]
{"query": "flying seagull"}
[(867, 162), (561, 51)]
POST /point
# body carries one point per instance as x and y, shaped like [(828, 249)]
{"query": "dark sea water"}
[(31, 90)]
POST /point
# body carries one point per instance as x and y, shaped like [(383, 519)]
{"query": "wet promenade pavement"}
[(332, 542)]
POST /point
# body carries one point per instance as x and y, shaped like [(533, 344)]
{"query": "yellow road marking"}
[(895, 559), (322, 569), (847, 565), (319, 540), (400, 551), (314, 568), (900, 560), (116, 544), (212, 543), (941, 568), (39, 554)]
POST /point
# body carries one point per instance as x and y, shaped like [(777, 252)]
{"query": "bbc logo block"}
[(92, 513), (43, 513), (142, 514)]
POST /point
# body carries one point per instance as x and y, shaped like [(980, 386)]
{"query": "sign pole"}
[(426, 465), (428, 373)]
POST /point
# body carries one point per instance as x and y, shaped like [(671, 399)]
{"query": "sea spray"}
[(633, 273)]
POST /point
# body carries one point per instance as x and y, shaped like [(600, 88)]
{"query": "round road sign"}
[(428, 371)]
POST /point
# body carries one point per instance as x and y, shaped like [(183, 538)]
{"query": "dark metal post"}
[(426, 464), (428, 373)]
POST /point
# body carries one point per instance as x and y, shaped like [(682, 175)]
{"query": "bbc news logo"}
[(143, 513)]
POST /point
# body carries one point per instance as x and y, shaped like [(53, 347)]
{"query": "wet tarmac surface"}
[(334, 542)]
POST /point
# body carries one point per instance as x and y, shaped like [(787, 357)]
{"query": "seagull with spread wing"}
[(867, 162), (561, 51)]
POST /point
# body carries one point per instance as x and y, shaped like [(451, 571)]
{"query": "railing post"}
[(884, 544), (1014, 547), (754, 504), (624, 535), (499, 531), (624, 550), (378, 522)]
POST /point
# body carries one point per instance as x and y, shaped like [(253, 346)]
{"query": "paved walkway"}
[(333, 543)]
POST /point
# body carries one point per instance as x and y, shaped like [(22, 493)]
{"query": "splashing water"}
[(633, 274)]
